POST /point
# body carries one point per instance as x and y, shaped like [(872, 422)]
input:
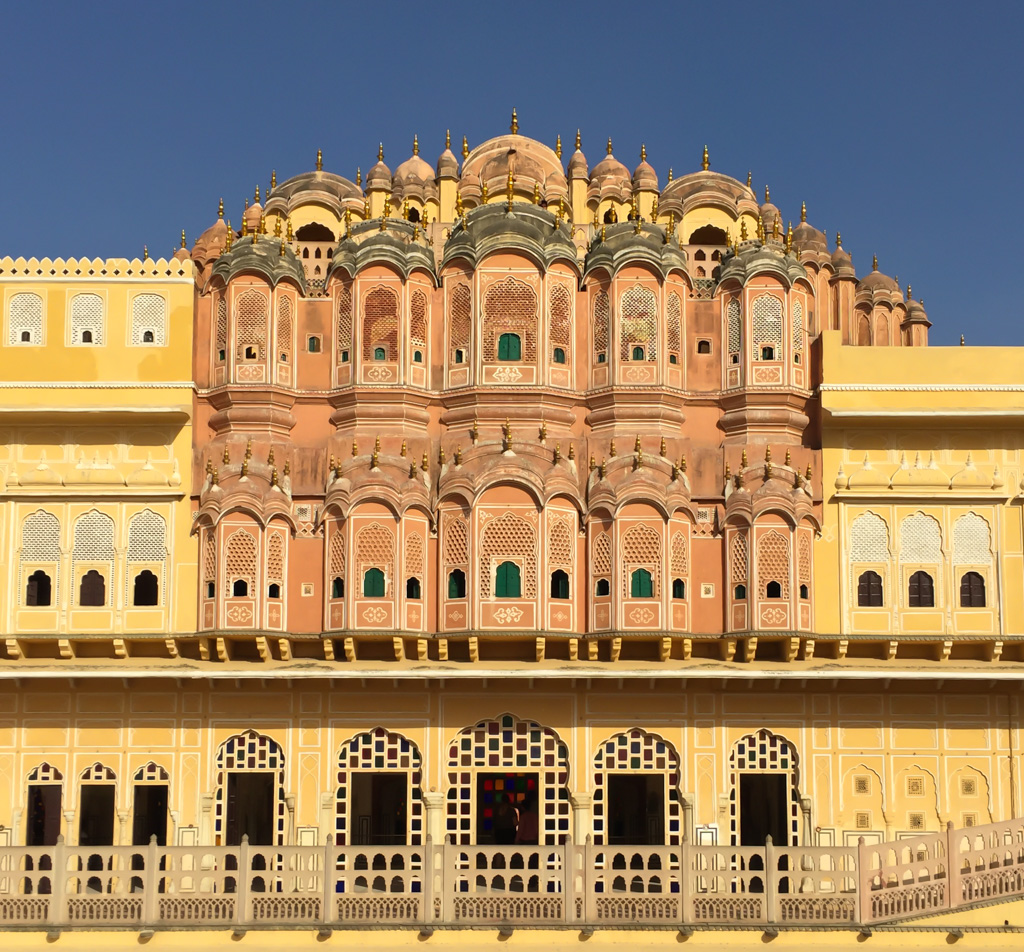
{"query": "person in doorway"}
[(529, 822), (506, 820)]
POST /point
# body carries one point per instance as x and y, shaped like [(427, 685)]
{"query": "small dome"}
[(447, 164), (182, 255), (769, 212), (413, 170), (644, 176), (379, 177), (876, 281), (252, 216), (610, 179), (211, 242), (916, 312), (533, 165), (841, 260), (578, 161)]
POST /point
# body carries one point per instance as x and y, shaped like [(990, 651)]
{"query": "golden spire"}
[(611, 448), (536, 193), (182, 237), (558, 452), (415, 144), (277, 227), (514, 126), (803, 212), (670, 174), (458, 455), (743, 459), (402, 452), (728, 239), (671, 230), (750, 178), (609, 149), (577, 140), (263, 224), (558, 145), (247, 204), (405, 209), (380, 151), (348, 221), (572, 451), (245, 227), (662, 449), (908, 292), (245, 466), (387, 206), (474, 434), (145, 253), (220, 208), (807, 475), (839, 241), (767, 195), (355, 448), (637, 224), (597, 220), (962, 342), (874, 262), (359, 177), (288, 234), (256, 234), (654, 209), (743, 229), (319, 160), (603, 228), (273, 178), (229, 237), (483, 193), (704, 163), (465, 147), (280, 251), (636, 445), (374, 459), (510, 184), (643, 151), (448, 138), (227, 455), (270, 456), (458, 204), (256, 196), (789, 239), (760, 230)]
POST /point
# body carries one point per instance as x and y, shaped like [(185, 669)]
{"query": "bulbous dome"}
[(610, 179), (211, 242), (578, 161), (644, 177), (414, 169), (252, 216), (876, 281), (532, 164), (708, 189), (447, 164), (841, 260), (324, 188), (379, 177), (769, 212)]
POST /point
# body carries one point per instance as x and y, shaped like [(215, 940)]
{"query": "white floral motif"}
[(504, 615), (274, 615), (378, 373), (641, 616), (455, 615), (375, 614), (561, 616), (239, 614), (507, 374), (773, 616), (637, 374)]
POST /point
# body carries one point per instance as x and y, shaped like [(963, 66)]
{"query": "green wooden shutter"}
[(507, 582), (641, 586), (373, 583)]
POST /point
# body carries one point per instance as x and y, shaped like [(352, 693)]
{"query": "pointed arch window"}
[(921, 591), (93, 590), (972, 590), (508, 581), (869, 590), (146, 590), (510, 347), (373, 583), (641, 584), (559, 584), (38, 592), (456, 584)]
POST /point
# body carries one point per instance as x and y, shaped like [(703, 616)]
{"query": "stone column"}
[(124, 838), (582, 822), (433, 805)]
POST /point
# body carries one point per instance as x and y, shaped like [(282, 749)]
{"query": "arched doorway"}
[(250, 791), (636, 791), (505, 759), (763, 796), (378, 800)]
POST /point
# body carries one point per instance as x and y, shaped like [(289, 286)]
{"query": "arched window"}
[(559, 355), (703, 347), (211, 589), (147, 337), (740, 592), (317, 253), (641, 584), (456, 584), (460, 356), (804, 591), (773, 590), (678, 588), (273, 590), (86, 337), (638, 353), (767, 353), (972, 590), (604, 587), (373, 583), (38, 591), (414, 215), (240, 588), (305, 252), (412, 588), (313, 345), (146, 589), (921, 591), (417, 357), (93, 591), (508, 581), (510, 347), (559, 584), (869, 590), (379, 353), (338, 587)]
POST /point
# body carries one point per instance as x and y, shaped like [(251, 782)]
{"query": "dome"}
[(769, 212), (644, 176), (876, 281), (610, 179), (532, 164), (379, 177), (447, 164), (211, 242), (841, 260), (252, 216), (578, 161), (325, 188), (708, 189), (414, 169)]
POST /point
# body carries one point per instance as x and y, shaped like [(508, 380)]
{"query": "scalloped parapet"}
[(156, 268)]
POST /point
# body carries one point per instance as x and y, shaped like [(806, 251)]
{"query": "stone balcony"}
[(567, 886)]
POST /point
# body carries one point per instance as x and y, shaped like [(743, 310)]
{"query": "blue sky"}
[(900, 124)]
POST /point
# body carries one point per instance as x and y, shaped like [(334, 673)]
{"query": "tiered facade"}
[(625, 501)]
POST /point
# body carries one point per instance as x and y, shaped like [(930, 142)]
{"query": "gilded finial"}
[(561, 209), (592, 462), (273, 476), (775, 227), (839, 240), (245, 467), (412, 470), (577, 140), (670, 174), (636, 445), (750, 179), (663, 447), (289, 234), (611, 448), (558, 146), (277, 227), (447, 138), (402, 451), (465, 147), (458, 455), (415, 144), (743, 229), (514, 125), (558, 452), (671, 230), (961, 340), (425, 462), (374, 460), (654, 209), (643, 151), (348, 221), (359, 177), (572, 451), (728, 472), (355, 448), (227, 455), (215, 476), (387, 206), (405, 209), (743, 459), (458, 205), (229, 238), (220, 208), (874, 262), (145, 252), (281, 249), (602, 469), (273, 178), (509, 186), (760, 230), (536, 193), (704, 163), (767, 195), (639, 459), (248, 448), (474, 434), (483, 193), (319, 160), (789, 457), (376, 443), (682, 462), (330, 463), (909, 289), (263, 224), (789, 238), (803, 212), (767, 454), (807, 474), (603, 227), (287, 467), (380, 151), (543, 432), (637, 223), (245, 227), (182, 237), (441, 458), (609, 149), (728, 239), (256, 196)]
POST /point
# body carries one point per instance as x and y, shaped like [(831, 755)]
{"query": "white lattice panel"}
[(149, 313), (971, 540), (25, 316), (920, 539), (87, 319), (869, 539)]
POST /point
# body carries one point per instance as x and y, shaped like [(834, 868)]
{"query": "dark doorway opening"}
[(250, 808), (96, 815), (636, 810), (378, 809), (764, 812), (496, 825), (43, 814), (149, 814)]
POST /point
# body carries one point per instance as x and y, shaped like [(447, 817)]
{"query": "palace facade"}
[(510, 479)]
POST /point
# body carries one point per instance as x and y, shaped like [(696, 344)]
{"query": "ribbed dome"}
[(644, 176), (533, 165), (447, 164), (414, 169), (578, 161), (841, 261), (379, 177), (610, 179), (211, 242), (876, 281)]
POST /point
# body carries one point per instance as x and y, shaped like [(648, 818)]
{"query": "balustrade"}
[(565, 885)]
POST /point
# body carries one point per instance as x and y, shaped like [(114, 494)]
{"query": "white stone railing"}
[(250, 886)]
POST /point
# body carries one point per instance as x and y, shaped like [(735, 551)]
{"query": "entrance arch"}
[(636, 767), (250, 791), (764, 778), (506, 757), (378, 799)]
